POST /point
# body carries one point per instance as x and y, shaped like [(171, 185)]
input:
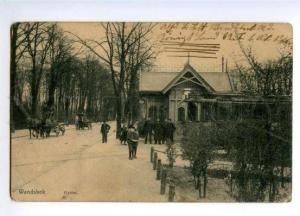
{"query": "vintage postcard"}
[(151, 112)]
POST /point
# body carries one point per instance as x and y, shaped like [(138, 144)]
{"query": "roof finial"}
[(188, 61)]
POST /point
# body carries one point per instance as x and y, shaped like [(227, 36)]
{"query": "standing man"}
[(148, 128), (133, 139), (165, 124), (76, 122), (104, 131), (123, 137), (170, 129), (158, 132)]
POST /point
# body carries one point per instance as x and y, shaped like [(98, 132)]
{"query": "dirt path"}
[(79, 167)]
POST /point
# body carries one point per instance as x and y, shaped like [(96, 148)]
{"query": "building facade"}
[(187, 95)]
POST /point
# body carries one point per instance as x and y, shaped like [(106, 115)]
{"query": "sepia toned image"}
[(151, 112)]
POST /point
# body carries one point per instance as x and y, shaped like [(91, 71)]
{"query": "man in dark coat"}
[(148, 128), (158, 132), (104, 131), (170, 129), (165, 125), (123, 137)]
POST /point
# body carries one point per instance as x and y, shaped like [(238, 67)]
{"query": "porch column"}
[(146, 107), (185, 111), (175, 108), (198, 111)]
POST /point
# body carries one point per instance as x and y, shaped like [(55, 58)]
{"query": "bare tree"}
[(120, 40), (17, 49), (140, 57), (268, 81), (37, 43), (59, 54)]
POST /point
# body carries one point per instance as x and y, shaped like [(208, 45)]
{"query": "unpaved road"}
[(78, 167)]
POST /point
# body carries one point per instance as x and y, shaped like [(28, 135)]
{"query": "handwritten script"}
[(187, 32)]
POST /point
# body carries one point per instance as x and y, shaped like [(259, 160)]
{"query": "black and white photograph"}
[(151, 111)]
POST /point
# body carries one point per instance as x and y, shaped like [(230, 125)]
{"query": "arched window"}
[(152, 113), (181, 114)]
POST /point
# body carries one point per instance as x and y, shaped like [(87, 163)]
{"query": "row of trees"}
[(50, 75), (53, 70)]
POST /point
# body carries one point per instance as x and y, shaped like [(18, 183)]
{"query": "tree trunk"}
[(34, 99), (204, 184), (67, 106), (13, 71), (133, 98), (119, 116), (51, 92), (200, 187), (282, 175), (272, 189)]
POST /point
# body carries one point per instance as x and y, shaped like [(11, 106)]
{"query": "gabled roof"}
[(156, 81), (218, 82), (194, 74)]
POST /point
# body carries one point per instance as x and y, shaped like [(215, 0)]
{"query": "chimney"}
[(222, 64)]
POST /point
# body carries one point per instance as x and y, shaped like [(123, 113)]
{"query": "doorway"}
[(192, 111), (181, 114)]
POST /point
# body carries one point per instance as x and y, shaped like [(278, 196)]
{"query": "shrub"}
[(197, 147)]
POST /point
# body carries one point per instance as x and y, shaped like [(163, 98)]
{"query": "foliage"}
[(261, 150), (171, 153), (272, 77), (258, 157), (197, 147)]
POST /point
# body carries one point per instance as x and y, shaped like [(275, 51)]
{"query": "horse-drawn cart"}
[(43, 128), (53, 126), (81, 122)]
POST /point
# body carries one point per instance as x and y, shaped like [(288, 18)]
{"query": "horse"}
[(34, 127)]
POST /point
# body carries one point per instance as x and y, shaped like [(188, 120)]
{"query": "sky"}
[(214, 40)]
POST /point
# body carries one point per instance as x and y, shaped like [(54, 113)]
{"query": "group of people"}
[(129, 136), (161, 131)]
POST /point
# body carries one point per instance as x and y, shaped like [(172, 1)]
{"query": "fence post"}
[(158, 169), (200, 187), (231, 182), (171, 192), (151, 154), (154, 160), (204, 185), (163, 181)]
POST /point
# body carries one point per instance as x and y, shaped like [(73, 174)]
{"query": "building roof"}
[(158, 81)]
